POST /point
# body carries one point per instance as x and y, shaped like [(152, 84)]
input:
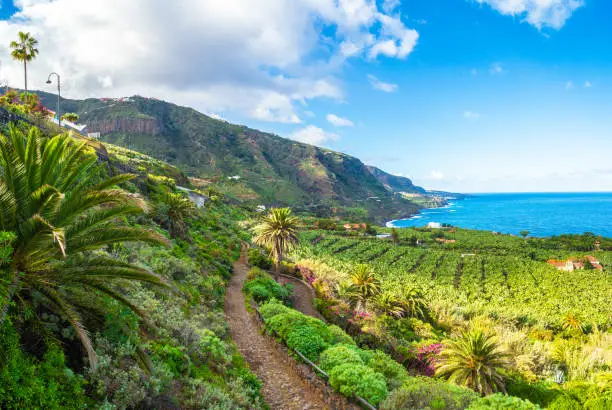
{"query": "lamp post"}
[(59, 114)]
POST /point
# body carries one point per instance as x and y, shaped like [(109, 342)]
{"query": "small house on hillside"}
[(434, 225), (354, 227), (443, 240), (571, 265)]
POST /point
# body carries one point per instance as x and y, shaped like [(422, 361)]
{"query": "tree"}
[(366, 284), (388, 304), (525, 233), (395, 236), (277, 230), (573, 323), (54, 197), (413, 302), (474, 360), (24, 50), (70, 116), (172, 213)]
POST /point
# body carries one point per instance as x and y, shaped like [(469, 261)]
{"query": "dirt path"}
[(283, 388), (302, 296)]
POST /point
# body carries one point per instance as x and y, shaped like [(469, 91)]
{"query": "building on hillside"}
[(571, 265), (434, 225), (444, 240), (354, 227)]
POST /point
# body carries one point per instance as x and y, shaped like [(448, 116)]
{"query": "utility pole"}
[(59, 114)]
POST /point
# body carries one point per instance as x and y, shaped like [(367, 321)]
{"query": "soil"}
[(283, 388)]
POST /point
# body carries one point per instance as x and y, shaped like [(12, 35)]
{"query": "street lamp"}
[(59, 114)]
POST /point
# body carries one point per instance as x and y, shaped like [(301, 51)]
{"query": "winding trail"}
[(283, 388)]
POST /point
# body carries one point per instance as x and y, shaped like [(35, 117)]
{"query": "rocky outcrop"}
[(127, 125)]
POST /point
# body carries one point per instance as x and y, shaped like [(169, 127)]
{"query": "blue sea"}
[(543, 214)]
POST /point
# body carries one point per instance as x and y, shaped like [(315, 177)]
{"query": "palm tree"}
[(366, 284), (573, 323), (24, 50), (173, 213), (53, 197), (474, 360), (388, 304), (413, 302), (277, 230)]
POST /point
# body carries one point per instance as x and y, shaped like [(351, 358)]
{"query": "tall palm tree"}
[(277, 230), (366, 284), (474, 360), (24, 50), (53, 197)]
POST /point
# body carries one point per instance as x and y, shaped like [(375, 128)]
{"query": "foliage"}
[(365, 284), (308, 341), (473, 360), (71, 116), (273, 308), (52, 196), (26, 382), (338, 355), (358, 379), (263, 288), (258, 259), (501, 401), (24, 50), (425, 393)]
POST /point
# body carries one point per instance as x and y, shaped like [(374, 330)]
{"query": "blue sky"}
[(471, 96)]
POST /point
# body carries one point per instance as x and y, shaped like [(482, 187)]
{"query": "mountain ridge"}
[(264, 167)]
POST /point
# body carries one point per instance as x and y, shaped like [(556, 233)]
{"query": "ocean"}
[(542, 214)]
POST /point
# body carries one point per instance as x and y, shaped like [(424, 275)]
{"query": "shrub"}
[(258, 259), (264, 288), (501, 401), (340, 336), (394, 373), (358, 379), (338, 355), (307, 341), (273, 308), (284, 324), (29, 383), (423, 393)]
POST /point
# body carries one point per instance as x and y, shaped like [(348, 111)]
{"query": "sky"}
[(459, 95)]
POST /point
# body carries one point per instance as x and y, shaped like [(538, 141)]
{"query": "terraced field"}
[(483, 274)]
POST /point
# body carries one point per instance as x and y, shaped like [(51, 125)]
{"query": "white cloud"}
[(569, 85), (262, 62), (471, 115), (339, 121), (382, 86), (496, 68), (538, 13), (313, 135), (435, 175), (588, 84)]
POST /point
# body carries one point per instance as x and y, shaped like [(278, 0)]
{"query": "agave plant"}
[(474, 360), (53, 197), (277, 230)]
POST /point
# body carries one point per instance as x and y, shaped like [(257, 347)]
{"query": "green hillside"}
[(271, 169)]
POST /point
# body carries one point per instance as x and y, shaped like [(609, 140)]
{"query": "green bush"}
[(273, 308), (540, 393), (28, 383), (284, 324), (340, 336), (307, 341), (394, 373), (357, 379), (264, 288), (258, 259), (501, 401), (427, 393), (338, 355)]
